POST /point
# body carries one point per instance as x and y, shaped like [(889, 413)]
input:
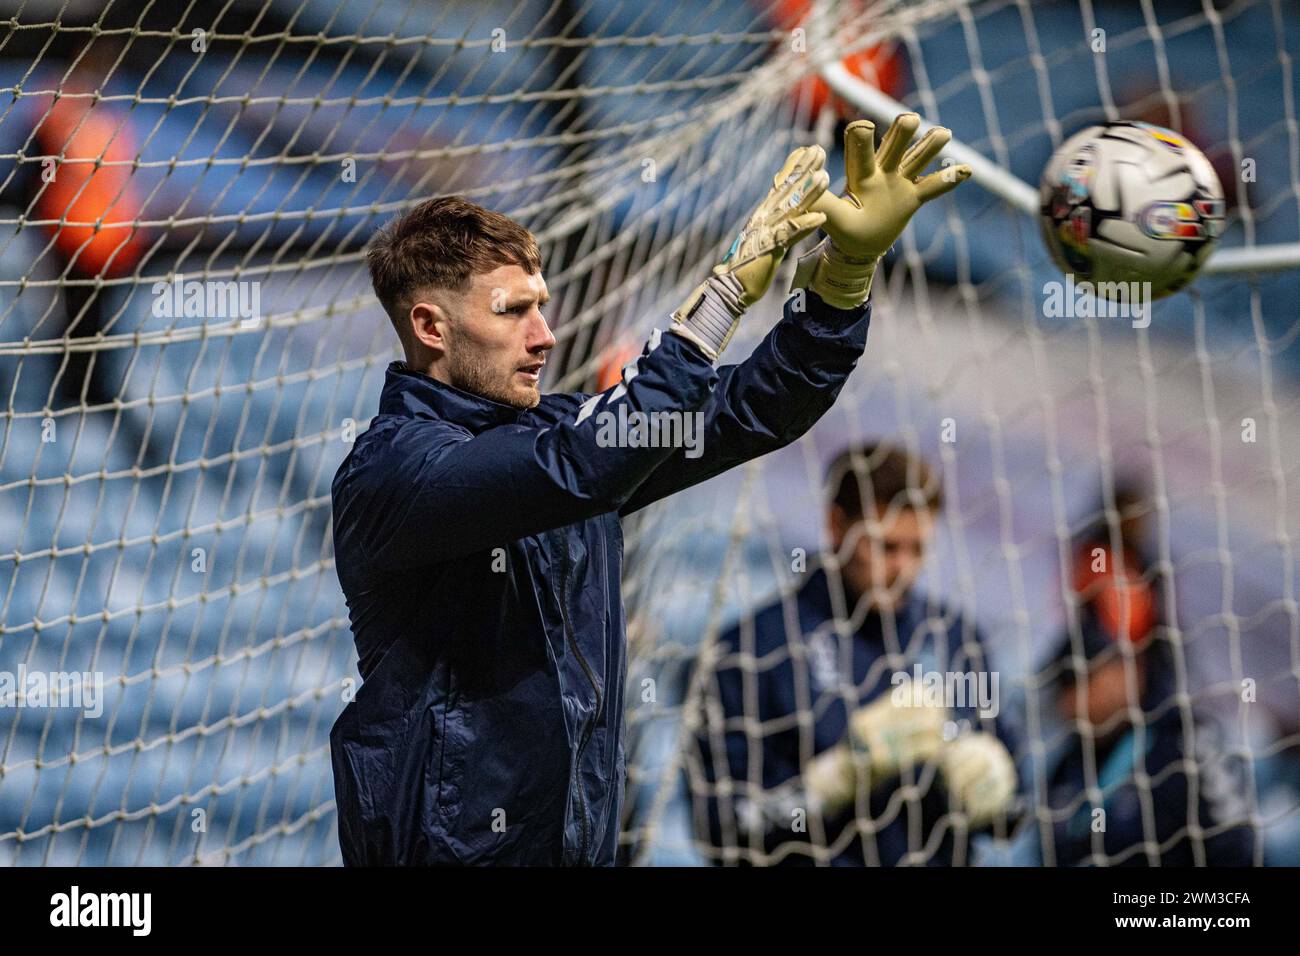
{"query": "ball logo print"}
[(1199, 219), (1077, 178), (1165, 137)]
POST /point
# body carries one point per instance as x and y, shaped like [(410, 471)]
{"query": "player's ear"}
[(429, 325)]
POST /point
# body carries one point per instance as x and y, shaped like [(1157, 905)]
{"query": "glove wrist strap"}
[(843, 281), (710, 316)]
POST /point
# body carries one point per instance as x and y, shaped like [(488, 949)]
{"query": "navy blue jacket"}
[(781, 693), (1148, 823), (480, 551), (1191, 782)]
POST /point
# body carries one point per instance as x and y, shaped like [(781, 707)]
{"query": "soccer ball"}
[(1131, 203)]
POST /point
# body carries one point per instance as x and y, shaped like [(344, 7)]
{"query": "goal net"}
[(189, 343)]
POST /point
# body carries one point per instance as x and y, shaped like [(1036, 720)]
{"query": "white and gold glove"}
[(882, 192), (887, 736), (980, 775), (710, 315)]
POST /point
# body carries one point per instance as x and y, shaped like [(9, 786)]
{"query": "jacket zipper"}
[(591, 677)]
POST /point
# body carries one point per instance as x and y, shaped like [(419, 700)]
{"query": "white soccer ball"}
[(1131, 203)]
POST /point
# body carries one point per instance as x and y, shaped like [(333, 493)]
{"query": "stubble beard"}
[(472, 373)]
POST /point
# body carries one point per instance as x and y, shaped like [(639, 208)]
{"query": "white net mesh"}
[(165, 463)]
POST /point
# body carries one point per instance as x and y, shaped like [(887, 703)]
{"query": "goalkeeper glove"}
[(710, 315), (887, 736), (882, 193), (980, 774)]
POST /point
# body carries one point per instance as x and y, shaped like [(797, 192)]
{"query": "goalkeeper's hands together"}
[(710, 315), (883, 191), (977, 768), (886, 736)]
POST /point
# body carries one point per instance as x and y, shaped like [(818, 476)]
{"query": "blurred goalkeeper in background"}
[(476, 522), (817, 743), (1130, 774)]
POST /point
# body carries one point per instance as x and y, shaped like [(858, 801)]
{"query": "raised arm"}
[(797, 372), (416, 491), (770, 399)]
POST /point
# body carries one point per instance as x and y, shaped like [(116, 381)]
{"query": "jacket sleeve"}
[(1222, 812), (722, 757), (771, 398), (428, 492), (1159, 822), (734, 814), (749, 792)]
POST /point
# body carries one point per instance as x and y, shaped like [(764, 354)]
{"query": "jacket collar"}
[(413, 394), (816, 596)]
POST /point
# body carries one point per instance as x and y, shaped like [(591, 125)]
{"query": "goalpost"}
[(188, 344)]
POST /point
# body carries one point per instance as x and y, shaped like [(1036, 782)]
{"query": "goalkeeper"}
[(816, 744), (476, 522)]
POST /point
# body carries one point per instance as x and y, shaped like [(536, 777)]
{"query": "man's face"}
[(883, 553), (1105, 695), (495, 338)]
